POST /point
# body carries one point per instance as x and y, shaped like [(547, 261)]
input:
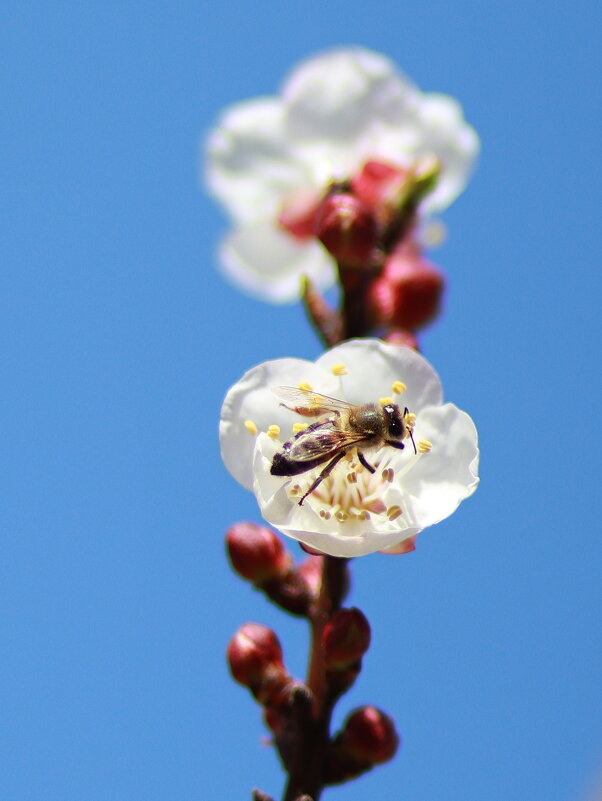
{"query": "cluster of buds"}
[(290, 707), (368, 225)]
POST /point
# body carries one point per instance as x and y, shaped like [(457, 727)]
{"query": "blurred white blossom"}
[(271, 157)]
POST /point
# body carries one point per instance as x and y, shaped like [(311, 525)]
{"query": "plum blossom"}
[(270, 160), (353, 511)]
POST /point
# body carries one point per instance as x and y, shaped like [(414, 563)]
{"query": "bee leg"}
[(395, 444), (332, 463), (363, 461)]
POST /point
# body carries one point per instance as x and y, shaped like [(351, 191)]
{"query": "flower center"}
[(350, 491)]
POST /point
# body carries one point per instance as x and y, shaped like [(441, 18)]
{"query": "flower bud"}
[(369, 736), (377, 185), (254, 655), (310, 571), (298, 213), (345, 639), (347, 229), (407, 294), (256, 552)]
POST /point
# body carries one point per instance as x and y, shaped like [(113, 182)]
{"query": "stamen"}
[(307, 387), (393, 512), (251, 427), (385, 401), (297, 427), (352, 477), (296, 490), (273, 431), (424, 446), (363, 515), (338, 369), (341, 516), (324, 514), (388, 474), (398, 387)]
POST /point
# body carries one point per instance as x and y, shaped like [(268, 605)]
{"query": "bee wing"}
[(319, 441), (309, 403)]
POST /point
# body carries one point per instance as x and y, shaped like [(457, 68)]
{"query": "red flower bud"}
[(256, 552), (310, 571), (368, 735), (347, 229), (254, 655), (407, 294), (345, 639), (378, 185), (299, 212)]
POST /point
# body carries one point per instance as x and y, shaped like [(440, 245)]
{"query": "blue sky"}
[(118, 339)]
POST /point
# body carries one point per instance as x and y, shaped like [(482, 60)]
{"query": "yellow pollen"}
[(410, 419), (385, 401), (297, 427), (341, 516), (251, 427), (304, 385), (398, 387), (352, 477), (273, 431), (324, 514), (338, 369), (388, 474), (393, 512), (424, 446)]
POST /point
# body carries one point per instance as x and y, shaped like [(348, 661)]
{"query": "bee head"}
[(395, 424)]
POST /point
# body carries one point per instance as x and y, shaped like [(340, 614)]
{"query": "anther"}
[(388, 474), (363, 515), (393, 512), (251, 427), (307, 387), (398, 387), (338, 369), (341, 516), (297, 427), (385, 401), (324, 514), (410, 419), (273, 431), (424, 446), (295, 490), (352, 477)]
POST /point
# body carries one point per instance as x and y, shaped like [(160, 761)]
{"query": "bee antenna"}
[(405, 411)]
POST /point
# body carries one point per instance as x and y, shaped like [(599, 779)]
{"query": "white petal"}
[(251, 399), (373, 366), (444, 133), (268, 263), (337, 94), (441, 479), (250, 166)]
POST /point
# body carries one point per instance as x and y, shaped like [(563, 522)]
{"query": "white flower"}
[(353, 511), (335, 112)]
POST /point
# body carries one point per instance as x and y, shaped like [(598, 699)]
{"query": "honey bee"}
[(346, 426)]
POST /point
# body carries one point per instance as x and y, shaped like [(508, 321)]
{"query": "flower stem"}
[(312, 711)]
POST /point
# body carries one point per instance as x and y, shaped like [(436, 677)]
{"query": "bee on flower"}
[(346, 484)]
